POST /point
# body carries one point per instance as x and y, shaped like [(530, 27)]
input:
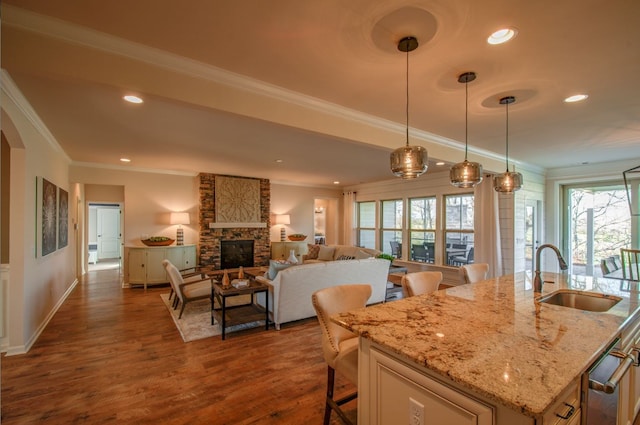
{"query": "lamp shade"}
[(283, 219), (507, 182), (465, 174), (179, 218), (409, 162)]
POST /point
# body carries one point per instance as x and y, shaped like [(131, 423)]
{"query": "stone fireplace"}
[(211, 239)]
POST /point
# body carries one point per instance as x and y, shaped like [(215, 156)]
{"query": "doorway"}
[(325, 221), (531, 232), (105, 236), (597, 225)]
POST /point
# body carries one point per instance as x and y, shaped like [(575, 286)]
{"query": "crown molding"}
[(11, 90)]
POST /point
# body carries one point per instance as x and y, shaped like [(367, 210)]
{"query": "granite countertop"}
[(494, 339)]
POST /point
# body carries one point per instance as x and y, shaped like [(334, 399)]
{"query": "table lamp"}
[(179, 219), (283, 219)]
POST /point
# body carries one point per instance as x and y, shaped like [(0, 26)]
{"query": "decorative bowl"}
[(297, 237), (158, 241)]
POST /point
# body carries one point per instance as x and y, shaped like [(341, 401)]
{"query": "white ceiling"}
[(231, 87)]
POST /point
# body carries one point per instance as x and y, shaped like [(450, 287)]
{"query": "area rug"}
[(196, 320)]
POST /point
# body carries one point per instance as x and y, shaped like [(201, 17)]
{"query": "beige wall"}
[(149, 198), (298, 201), (38, 285)]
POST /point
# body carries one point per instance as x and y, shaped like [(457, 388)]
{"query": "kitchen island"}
[(491, 341)]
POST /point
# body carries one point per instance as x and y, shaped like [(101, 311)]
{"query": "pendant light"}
[(466, 174), (408, 162), (507, 182)]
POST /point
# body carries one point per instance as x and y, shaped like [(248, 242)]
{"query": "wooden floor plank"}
[(113, 355)]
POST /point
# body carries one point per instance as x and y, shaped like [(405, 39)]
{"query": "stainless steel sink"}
[(589, 301)]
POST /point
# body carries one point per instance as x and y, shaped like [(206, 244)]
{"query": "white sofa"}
[(290, 291)]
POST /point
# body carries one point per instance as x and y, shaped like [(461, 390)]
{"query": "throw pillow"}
[(275, 267), (346, 257), (326, 253), (313, 250), (362, 255)]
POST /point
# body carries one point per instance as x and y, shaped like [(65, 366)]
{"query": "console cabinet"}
[(281, 250), (145, 263)]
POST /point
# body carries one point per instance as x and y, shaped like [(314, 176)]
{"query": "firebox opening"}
[(234, 254)]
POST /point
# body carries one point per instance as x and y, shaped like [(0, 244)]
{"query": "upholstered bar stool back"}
[(339, 345), (470, 273), (419, 283)]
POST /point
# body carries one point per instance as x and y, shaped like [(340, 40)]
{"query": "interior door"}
[(108, 233)]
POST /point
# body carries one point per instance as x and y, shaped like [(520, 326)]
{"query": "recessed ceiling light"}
[(336, 182), (440, 163), (279, 161), (502, 36), (576, 98), (133, 99), (125, 160)]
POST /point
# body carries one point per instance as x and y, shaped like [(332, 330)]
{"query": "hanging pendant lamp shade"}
[(466, 174), (408, 162), (509, 181)]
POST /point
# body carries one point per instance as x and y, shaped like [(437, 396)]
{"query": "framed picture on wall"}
[(63, 218), (47, 217)]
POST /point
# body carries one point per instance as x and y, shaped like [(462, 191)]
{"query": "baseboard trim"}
[(23, 349)]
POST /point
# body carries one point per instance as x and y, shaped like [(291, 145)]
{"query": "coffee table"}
[(239, 314)]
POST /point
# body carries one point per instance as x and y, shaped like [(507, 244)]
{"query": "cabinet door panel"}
[(189, 257), (155, 271), (176, 256), (137, 268), (396, 388)]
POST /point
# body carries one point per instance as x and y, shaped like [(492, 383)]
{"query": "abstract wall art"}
[(49, 204), (63, 218)]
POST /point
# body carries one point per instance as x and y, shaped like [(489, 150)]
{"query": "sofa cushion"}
[(312, 251), (275, 266), (326, 253)]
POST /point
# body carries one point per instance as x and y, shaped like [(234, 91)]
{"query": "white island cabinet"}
[(144, 264), (491, 352), (392, 390)]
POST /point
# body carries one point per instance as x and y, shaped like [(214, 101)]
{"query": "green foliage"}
[(386, 257)]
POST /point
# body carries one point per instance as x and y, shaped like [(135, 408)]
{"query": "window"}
[(391, 228), (367, 224), (458, 229), (422, 228)]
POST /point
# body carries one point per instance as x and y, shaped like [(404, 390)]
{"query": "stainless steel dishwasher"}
[(600, 385)]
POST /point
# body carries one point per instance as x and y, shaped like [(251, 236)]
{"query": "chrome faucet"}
[(537, 280)]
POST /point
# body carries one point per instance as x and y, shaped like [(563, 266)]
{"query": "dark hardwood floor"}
[(113, 355)]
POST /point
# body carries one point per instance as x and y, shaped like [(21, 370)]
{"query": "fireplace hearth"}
[(236, 253)]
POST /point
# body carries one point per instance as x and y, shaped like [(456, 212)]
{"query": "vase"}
[(241, 273), (225, 280), (292, 257)]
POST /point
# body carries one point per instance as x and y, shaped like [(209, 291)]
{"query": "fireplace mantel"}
[(237, 225)]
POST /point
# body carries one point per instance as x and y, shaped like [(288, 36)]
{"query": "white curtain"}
[(487, 247), (349, 205)]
